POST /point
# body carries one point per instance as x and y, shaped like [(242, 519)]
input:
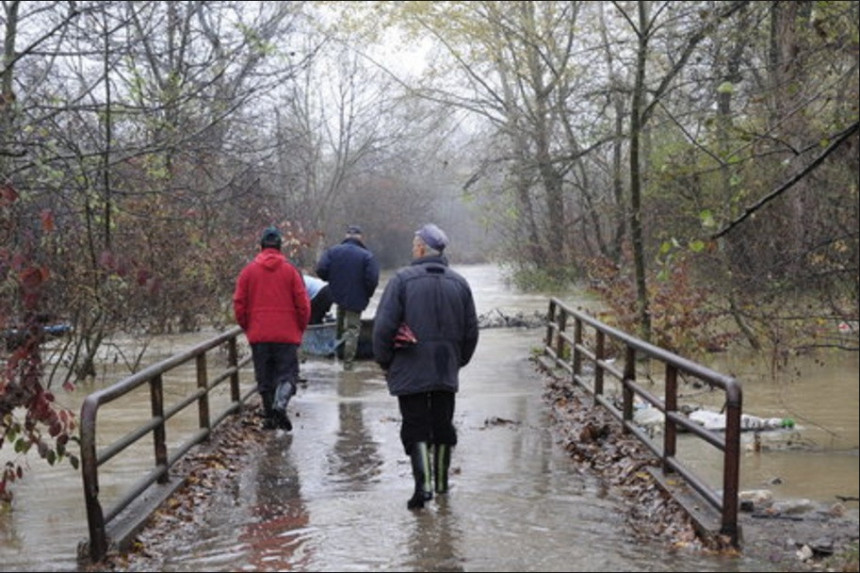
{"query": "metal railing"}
[(567, 349), (102, 533)]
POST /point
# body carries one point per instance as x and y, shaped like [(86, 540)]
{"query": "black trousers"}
[(320, 305), (274, 363), (427, 417)]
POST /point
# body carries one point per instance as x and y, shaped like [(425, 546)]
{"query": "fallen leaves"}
[(593, 438)]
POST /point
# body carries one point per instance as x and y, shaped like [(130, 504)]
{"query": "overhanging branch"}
[(837, 141)]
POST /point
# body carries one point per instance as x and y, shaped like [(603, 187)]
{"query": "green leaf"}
[(726, 88), (707, 219)]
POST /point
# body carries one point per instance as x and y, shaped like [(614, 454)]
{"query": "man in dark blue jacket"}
[(352, 273), (424, 332)]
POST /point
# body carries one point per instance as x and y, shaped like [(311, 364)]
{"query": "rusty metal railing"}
[(100, 519), (566, 349)]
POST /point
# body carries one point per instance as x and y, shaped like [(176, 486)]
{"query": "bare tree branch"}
[(837, 141)]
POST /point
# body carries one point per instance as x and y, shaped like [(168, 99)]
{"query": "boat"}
[(15, 337), (321, 340)]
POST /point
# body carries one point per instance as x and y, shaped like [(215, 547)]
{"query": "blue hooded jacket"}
[(352, 273)]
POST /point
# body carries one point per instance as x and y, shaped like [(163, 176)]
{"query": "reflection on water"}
[(274, 536), (434, 541), (354, 460), (332, 494)]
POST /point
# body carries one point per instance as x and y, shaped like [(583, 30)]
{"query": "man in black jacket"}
[(424, 332), (352, 272)]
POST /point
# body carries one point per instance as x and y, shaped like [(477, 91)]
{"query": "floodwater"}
[(332, 494)]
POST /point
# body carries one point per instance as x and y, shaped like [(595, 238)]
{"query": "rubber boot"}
[(441, 462), (269, 422), (421, 472), (283, 394)]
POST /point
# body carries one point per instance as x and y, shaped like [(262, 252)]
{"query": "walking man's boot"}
[(283, 394), (421, 472), (269, 422), (441, 462)]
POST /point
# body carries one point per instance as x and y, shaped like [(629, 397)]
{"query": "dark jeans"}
[(274, 363), (427, 417), (320, 305)]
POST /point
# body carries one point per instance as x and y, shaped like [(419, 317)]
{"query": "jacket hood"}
[(270, 259)]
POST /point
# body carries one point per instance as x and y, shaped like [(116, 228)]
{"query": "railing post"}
[(626, 390), (550, 323), (670, 430), (731, 462), (233, 359), (599, 351), (561, 323), (97, 548), (159, 433), (576, 355), (202, 382)]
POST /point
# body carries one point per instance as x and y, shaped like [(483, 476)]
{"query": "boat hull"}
[(321, 340)]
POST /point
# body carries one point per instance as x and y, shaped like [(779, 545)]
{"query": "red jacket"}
[(270, 302)]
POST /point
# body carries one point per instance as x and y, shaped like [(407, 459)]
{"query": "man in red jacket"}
[(271, 305)]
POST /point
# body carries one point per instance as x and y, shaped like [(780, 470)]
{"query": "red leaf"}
[(31, 277), (47, 220), (8, 195)]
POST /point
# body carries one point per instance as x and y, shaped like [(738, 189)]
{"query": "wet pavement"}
[(331, 495)]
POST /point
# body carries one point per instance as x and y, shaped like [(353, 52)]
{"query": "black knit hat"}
[(271, 238)]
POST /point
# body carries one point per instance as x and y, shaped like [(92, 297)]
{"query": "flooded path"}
[(331, 495)]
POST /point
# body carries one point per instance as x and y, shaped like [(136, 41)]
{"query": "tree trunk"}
[(636, 111)]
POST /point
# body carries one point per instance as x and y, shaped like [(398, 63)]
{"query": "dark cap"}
[(271, 238), (353, 230), (433, 237)]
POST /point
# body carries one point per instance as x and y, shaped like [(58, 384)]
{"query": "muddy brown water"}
[(331, 495)]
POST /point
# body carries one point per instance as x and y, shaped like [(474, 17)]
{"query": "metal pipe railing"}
[(569, 354), (100, 518)]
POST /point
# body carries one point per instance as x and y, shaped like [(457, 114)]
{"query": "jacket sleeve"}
[(388, 317), (371, 275), (470, 335), (302, 302), (323, 266), (240, 301)]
